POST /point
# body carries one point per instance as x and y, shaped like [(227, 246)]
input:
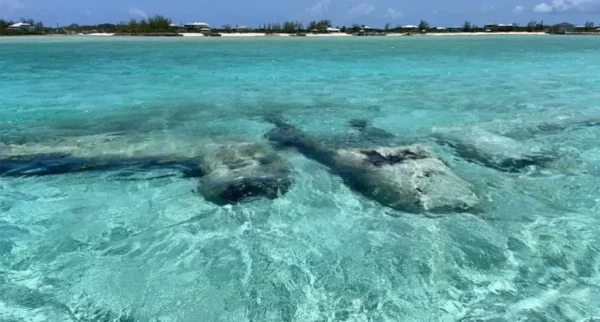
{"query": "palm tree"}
[(589, 25), (467, 26), (227, 28)]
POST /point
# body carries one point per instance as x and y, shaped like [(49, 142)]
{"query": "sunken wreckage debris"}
[(227, 173), (494, 151), (515, 149), (407, 178)]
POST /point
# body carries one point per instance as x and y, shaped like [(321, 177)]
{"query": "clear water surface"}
[(93, 247)]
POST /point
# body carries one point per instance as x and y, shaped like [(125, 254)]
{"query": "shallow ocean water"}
[(92, 246)]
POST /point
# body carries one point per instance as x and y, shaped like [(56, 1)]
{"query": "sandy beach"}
[(485, 34), (329, 35), (98, 34), (257, 34), (190, 34)]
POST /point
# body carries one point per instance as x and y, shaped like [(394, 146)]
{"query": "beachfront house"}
[(331, 30), (490, 27), (242, 29), (21, 26), (197, 26), (499, 27), (564, 27)]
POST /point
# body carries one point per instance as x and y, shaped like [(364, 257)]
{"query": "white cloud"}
[(542, 8), (488, 8), (137, 12), (568, 6), (518, 9), (319, 9), (361, 9), (392, 13), (11, 5)]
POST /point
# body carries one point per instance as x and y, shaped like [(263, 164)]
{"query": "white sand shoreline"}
[(388, 35), (256, 34), (487, 34)]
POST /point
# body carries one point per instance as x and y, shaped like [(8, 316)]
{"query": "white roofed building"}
[(20, 26), (332, 30), (197, 25)]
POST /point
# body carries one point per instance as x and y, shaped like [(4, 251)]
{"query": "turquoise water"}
[(92, 246)]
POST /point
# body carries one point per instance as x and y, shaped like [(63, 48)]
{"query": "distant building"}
[(332, 30), (197, 26), (20, 26), (565, 27), (499, 27), (242, 28)]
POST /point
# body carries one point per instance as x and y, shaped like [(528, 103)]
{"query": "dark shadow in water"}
[(57, 163)]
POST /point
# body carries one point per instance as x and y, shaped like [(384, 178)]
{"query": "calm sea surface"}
[(100, 246)]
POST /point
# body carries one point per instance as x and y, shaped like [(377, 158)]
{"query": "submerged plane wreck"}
[(228, 172), (407, 178)]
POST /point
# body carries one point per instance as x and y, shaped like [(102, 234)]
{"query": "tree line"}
[(294, 26), (154, 24), (162, 24)]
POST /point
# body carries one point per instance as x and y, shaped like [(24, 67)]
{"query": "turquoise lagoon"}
[(91, 246)]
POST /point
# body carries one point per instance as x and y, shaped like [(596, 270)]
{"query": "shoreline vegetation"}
[(161, 26)]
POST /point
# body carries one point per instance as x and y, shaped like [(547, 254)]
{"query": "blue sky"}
[(341, 12)]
